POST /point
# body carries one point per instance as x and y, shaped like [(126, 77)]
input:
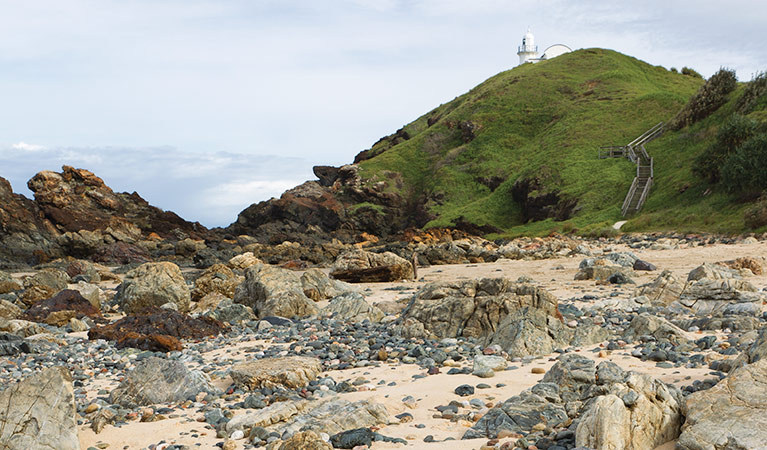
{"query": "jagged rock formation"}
[(76, 199), (26, 236), (74, 213), (338, 205)]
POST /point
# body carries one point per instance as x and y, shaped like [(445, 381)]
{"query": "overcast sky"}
[(206, 106)]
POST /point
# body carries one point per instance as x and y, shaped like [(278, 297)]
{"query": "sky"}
[(207, 106)]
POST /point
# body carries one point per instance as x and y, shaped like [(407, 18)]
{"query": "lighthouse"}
[(528, 51)]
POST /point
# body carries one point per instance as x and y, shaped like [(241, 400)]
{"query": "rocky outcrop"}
[(153, 284), (359, 266), (39, 412), (352, 307), (730, 415), (290, 372), (26, 236), (76, 199), (158, 380), (271, 291), (474, 308), (606, 407)]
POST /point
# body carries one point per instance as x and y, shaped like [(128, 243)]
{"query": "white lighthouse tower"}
[(528, 51)]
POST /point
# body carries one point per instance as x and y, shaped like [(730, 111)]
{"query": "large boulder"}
[(303, 440), (44, 284), (638, 413), (647, 324), (712, 272), (360, 266), (474, 308), (318, 286), (352, 307), (606, 407), (290, 372), (715, 295), (603, 269), (39, 413), (63, 306), (730, 415), (271, 291), (756, 266), (530, 331), (8, 310), (157, 330), (217, 278), (157, 380), (153, 284), (663, 290)]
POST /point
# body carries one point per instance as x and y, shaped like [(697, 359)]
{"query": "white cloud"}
[(27, 147)]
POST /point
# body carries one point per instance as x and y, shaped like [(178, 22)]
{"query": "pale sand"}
[(435, 390)]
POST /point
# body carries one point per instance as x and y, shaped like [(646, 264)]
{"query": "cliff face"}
[(25, 234), (337, 206)]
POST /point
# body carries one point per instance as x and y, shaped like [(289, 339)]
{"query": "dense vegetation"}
[(518, 153)]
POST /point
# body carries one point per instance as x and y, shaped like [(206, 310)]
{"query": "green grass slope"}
[(682, 201), (542, 120)]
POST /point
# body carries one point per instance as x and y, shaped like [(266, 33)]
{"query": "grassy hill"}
[(539, 126)]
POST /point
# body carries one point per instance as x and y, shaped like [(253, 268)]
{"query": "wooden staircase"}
[(636, 153)]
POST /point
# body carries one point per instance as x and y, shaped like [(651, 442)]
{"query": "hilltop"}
[(517, 155)]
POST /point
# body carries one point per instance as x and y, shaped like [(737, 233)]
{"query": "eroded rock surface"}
[(271, 291), (153, 284), (290, 372), (158, 380), (731, 415), (39, 413)]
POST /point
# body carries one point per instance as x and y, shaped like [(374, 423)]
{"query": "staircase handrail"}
[(649, 134), (629, 196)]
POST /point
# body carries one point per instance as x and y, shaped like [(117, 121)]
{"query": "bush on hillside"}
[(745, 171), (691, 72), (731, 135), (756, 216), (754, 94), (708, 99)]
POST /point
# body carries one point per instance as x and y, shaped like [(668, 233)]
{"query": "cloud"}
[(27, 147)]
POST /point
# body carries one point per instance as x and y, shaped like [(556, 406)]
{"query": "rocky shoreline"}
[(628, 343)]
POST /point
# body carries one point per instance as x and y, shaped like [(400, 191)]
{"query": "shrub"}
[(756, 216), (708, 99), (673, 69), (731, 135), (691, 72), (745, 171), (754, 94)]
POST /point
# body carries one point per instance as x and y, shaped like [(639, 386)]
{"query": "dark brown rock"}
[(371, 275), (66, 300), (26, 236), (157, 329)]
